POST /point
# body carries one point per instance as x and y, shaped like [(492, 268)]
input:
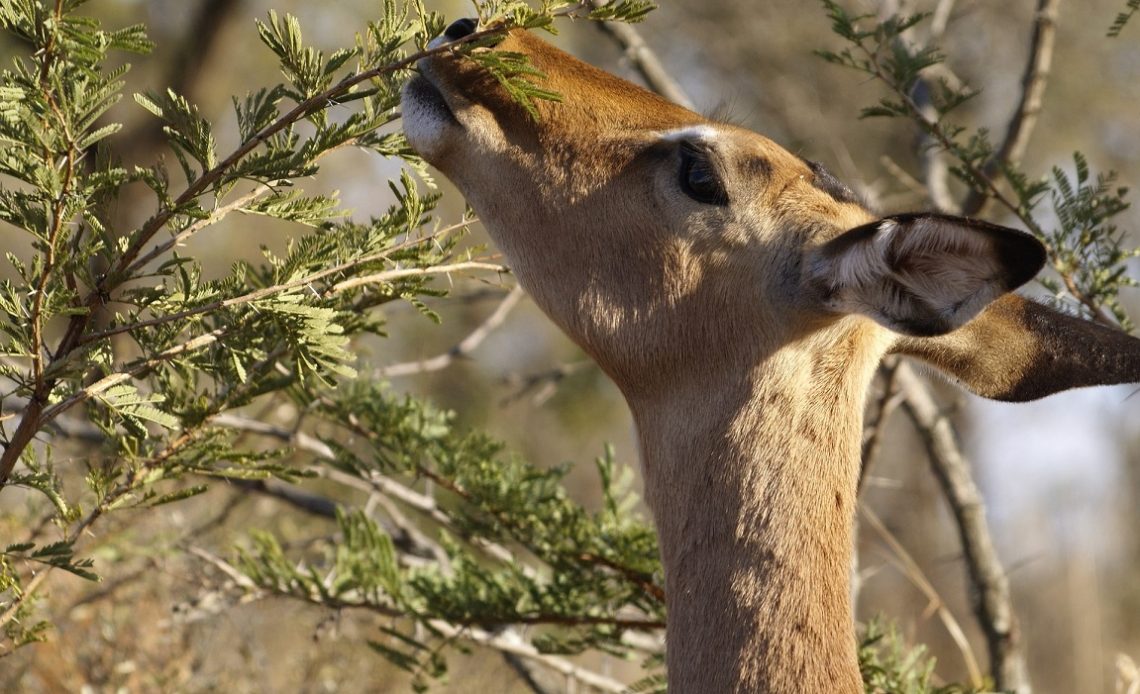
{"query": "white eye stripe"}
[(689, 133)]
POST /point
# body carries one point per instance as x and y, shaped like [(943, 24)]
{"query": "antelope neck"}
[(752, 483)]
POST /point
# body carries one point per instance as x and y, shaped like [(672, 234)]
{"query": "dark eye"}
[(698, 178)]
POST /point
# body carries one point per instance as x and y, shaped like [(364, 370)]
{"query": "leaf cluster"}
[(119, 337), (889, 666)]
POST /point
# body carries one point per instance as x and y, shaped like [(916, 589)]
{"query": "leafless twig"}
[(543, 383), (1033, 84), (389, 275), (461, 350), (910, 568), (992, 602)]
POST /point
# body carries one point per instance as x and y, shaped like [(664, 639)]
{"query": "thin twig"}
[(389, 275), (940, 18), (107, 382), (461, 350), (1033, 83), (267, 292), (543, 383), (915, 575), (133, 479), (646, 62), (213, 218)]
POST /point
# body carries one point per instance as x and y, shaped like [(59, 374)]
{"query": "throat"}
[(752, 485)]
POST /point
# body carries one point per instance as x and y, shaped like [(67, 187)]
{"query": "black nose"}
[(460, 28)]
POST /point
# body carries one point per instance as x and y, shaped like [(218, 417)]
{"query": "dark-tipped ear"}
[(1020, 350), (922, 274)]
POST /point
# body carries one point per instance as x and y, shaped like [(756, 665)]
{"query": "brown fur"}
[(747, 390)]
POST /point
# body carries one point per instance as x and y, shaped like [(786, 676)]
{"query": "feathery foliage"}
[(1130, 8), (122, 335)]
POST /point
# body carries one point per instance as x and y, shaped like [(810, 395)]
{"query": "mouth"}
[(427, 95), (429, 121)]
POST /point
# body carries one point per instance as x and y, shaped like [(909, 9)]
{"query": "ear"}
[(922, 274), (1020, 350)]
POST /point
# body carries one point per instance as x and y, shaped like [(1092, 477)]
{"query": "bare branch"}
[(881, 411), (1033, 84), (543, 383), (940, 18), (646, 62), (213, 218), (910, 568), (464, 348), (389, 275), (992, 602)]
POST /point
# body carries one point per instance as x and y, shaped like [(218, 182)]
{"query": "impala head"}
[(650, 233), (741, 297)]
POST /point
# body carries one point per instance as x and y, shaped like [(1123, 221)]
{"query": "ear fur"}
[(922, 274)]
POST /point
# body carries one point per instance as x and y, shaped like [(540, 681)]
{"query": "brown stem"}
[(993, 603), (877, 421), (1033, 84)]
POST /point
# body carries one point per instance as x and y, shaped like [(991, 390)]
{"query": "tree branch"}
[(993, 604), (881, 411), (507, 641), (646, 62), (1033, 84), (464, 348)]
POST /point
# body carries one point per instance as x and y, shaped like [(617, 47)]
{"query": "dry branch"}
[(992, 602), (1033, 84), (465, 346), (909, 567)]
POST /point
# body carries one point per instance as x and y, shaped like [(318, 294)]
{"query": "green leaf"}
[(178, 495)]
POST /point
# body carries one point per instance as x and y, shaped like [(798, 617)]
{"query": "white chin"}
[(428, 122)]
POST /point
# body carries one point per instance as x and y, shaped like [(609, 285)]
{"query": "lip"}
[(428, 96)]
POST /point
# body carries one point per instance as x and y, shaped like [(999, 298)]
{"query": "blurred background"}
[(1061, 477)]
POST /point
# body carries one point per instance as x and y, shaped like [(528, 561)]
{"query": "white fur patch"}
[(425, 124), (691, 132)]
